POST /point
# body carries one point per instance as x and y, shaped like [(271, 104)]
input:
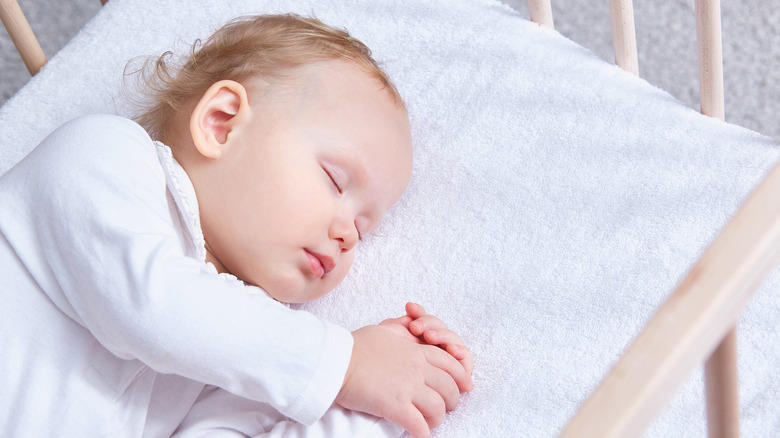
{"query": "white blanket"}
[(555, 200)]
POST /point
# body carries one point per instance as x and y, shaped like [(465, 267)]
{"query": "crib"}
[(685, 326)]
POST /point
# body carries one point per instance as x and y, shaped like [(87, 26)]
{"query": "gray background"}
[(666, 40)]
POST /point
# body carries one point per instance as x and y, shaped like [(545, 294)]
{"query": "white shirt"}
[(109, 306)]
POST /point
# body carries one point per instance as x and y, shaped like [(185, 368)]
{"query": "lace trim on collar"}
[(184, 196)]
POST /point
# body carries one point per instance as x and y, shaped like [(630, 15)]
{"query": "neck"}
[(215, 261)]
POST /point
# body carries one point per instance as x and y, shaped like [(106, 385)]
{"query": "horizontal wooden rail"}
[(22, 35), (690, 324)]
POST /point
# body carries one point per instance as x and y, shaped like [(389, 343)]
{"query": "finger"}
[(402, 320), (444, 361), (444, 385), (414, 310), (452, 344), (440, 336), (412, 420), (463, 355), (432, 406), (426, 322)]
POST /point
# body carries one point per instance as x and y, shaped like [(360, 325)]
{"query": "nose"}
[(344, 231)]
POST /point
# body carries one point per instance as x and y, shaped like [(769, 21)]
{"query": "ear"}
[(221, 109)]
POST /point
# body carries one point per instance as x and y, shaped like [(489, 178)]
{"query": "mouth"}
[(319, 264)]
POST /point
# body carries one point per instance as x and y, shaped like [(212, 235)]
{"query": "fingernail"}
[(417, 325), (432, 332)]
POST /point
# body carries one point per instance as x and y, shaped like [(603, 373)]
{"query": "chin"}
[(303, 298), (295, 291), (292, 295), (306, 296)]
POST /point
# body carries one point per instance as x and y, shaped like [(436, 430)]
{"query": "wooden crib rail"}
[(623, 32), (22, 35), (541, 12), (621, 13), (708, 37), (720, 370), (688, 327)]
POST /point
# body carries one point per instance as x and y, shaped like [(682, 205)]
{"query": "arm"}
[(214, 412), (219, 412)]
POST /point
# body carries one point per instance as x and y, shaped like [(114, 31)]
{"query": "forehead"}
[(346, 84)]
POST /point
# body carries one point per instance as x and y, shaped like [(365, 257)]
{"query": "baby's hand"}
[(420, 327), (411, 384)]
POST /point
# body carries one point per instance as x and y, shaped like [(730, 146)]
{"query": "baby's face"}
[(317, 167)]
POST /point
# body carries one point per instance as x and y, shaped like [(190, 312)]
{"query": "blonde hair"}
[(244, 48)]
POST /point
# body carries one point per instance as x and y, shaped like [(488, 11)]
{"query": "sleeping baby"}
[(145, 266)]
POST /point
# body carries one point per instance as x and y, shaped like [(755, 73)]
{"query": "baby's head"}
[(296, 143)]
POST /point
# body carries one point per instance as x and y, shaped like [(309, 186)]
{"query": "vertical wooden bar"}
[(721, 387), (22, 35), (541, 12), (720, 370), (710, 46), (621, 13)]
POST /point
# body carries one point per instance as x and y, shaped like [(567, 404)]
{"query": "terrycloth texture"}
[(555, 200)]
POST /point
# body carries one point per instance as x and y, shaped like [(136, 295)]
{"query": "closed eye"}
[(333, 180)]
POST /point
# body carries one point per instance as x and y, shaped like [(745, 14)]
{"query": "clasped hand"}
[(409, 370)]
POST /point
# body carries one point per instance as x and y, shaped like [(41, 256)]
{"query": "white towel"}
[(555, 200)]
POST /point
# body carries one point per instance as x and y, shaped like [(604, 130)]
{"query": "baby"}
[(144, 280)]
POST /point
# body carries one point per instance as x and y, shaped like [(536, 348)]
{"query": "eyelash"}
[(338, 187), (333, 180)]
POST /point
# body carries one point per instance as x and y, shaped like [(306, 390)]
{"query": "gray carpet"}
[(666, 39)]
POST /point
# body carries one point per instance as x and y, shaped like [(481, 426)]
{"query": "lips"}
[(319, 264)]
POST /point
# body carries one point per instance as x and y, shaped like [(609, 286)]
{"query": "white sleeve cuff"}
[(325, 384)]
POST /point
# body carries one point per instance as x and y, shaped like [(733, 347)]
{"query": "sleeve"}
[(93, 198), (219, 414)]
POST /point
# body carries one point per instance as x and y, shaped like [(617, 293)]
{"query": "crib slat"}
[(541, 12), (720, 374), (690, 324), (708, 35), (720, 370), (22, 35), (621, 13)]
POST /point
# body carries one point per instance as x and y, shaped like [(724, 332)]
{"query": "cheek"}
[(300, 205)]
